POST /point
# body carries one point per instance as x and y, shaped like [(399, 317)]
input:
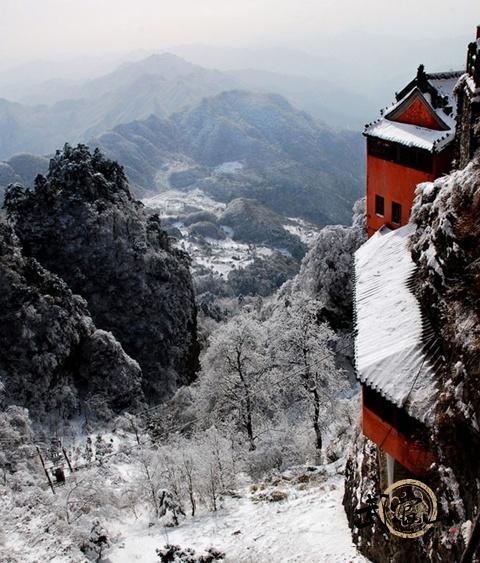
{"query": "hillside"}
[(54, 358), (240, 144)]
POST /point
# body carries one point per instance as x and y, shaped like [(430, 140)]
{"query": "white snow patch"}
[(309, 527), (223, 256), (219, 256), (304, 230), (228, 168), (175, 202)]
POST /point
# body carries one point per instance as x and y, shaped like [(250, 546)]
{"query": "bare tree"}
[(234, 364), (150, 478), (188, 470), (83, 496)]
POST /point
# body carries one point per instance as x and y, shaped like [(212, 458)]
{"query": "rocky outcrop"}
[(52, 357), (82, 223), (446, 249), (444, 542)]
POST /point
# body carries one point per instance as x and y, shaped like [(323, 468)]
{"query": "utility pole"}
[(45, 469), (66, 458), (135, 430)]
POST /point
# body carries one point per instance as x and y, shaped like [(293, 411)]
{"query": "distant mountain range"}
[(173, 124), (242, 144), (68, 111), (158, 85)]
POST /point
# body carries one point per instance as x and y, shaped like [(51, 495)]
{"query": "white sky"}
[(39, 29)]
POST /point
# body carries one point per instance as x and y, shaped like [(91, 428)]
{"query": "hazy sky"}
[(34, 29)]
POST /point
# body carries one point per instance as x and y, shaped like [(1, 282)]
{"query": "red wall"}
[(393, 182), (410, 454), (396, 182), (419, 114)]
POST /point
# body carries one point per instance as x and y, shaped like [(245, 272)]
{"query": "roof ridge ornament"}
[(422, 80)]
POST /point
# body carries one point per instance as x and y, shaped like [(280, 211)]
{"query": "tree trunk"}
[(213, 488), (251, 438), (316, 423), (152, 489), (190, 494), (310, 386), (248, 405)]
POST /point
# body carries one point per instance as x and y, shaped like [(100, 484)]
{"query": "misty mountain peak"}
[(166, 64)]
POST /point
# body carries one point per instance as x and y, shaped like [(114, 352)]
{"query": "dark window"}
[(379, 205), (381, 149), (396, 213), (420, 159), (414, 158)]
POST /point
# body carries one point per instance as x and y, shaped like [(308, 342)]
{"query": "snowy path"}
[(310, 527)]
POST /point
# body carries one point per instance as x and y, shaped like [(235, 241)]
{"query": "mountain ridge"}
[(286, 160), (159, 84)]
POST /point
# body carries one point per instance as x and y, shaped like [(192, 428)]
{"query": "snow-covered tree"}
[(304, 356), (97, 542), (16, 444), (169, 509), (326, 273), (235, 364), (150, 479)]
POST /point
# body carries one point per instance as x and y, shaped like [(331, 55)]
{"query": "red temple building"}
[(412, 142), (433, 126)]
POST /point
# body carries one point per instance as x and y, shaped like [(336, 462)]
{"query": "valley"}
[(220, 252)]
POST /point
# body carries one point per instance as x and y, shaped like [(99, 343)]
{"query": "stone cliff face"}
[(446, 249), (438, 544), (81, 223), (52, 357)]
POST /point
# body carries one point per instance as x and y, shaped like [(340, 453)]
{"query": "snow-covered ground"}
[(219, 256), (228, 168), (305, 231), (171, 202), (309, 527), (222, 256)]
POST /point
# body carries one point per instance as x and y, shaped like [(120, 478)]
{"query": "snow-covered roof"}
[(409, 135), (392, 343), (445, 83), (437, 90)]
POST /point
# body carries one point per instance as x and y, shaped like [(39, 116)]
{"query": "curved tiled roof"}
[(395, 350), (409, 135)]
